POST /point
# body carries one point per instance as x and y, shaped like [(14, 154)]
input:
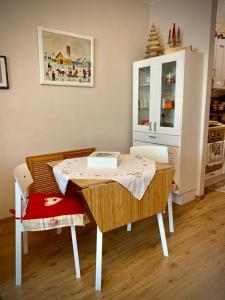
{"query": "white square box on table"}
[(103, 159)]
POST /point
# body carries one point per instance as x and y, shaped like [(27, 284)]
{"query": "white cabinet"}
[(219, 65), (167, 109), (157, 92), (160, 86)]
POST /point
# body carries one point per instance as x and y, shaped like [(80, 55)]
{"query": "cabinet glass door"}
[(168, 94), (143, 96), (219, 54)]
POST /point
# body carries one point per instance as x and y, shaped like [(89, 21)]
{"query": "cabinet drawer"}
[(153, 138)]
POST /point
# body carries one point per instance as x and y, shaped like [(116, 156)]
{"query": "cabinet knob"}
[(154, 126), (150, 126)]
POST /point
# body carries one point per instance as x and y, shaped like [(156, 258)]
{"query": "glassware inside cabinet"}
[(168, 91), (143, 96)]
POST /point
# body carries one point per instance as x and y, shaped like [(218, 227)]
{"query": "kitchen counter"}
[(218, 127)]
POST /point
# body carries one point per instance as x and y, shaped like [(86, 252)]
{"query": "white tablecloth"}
[(133, 172)]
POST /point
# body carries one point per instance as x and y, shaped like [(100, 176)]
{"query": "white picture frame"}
[(65, 58)]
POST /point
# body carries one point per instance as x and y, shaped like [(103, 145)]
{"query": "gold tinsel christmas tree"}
[(153, 47)]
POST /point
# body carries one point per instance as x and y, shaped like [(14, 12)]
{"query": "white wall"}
[(196, 18), (38, 119)]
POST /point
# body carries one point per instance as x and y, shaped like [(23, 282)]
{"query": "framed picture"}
[(4, 84), (65, 58)]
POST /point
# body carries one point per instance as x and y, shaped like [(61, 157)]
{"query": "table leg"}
[(162, 234), (129, 227), (98, 274), (170, 212)]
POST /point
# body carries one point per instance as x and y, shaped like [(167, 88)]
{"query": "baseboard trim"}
[(200, 197), (184, 198)]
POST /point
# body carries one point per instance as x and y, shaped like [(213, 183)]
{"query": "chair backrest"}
[(44, 180), (154, 152), (23, 177)]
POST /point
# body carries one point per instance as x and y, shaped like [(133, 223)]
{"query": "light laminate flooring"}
[(133, 264)]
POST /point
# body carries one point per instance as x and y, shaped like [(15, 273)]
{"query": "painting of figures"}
[(65, 58)]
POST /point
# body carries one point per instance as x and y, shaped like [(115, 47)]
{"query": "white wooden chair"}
[(40, 211), (160, 155)]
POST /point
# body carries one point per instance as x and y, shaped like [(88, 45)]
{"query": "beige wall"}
[(38, 119), (196, 18), (192, 16), (221, 11)]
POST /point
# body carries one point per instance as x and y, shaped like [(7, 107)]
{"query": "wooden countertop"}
[(219, 127)]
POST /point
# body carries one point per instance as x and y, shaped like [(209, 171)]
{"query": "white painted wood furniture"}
[(218, 77), (23, 180), (158, 154), (166, 109)]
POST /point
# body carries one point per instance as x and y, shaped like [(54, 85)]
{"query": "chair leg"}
[(170, 212), (162, 234), (18, 253), (75, 251), (25, 242), (98, 274), (59, 230), (129, 225)]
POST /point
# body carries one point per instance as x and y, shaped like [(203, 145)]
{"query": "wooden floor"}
[(133, 265)]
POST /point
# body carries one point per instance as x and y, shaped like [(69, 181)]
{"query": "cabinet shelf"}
[(144, 84), (167, 125), (168, 108), (169, 85)]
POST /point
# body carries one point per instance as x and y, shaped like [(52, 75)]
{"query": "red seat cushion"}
[(36, 207), (12, 211)]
